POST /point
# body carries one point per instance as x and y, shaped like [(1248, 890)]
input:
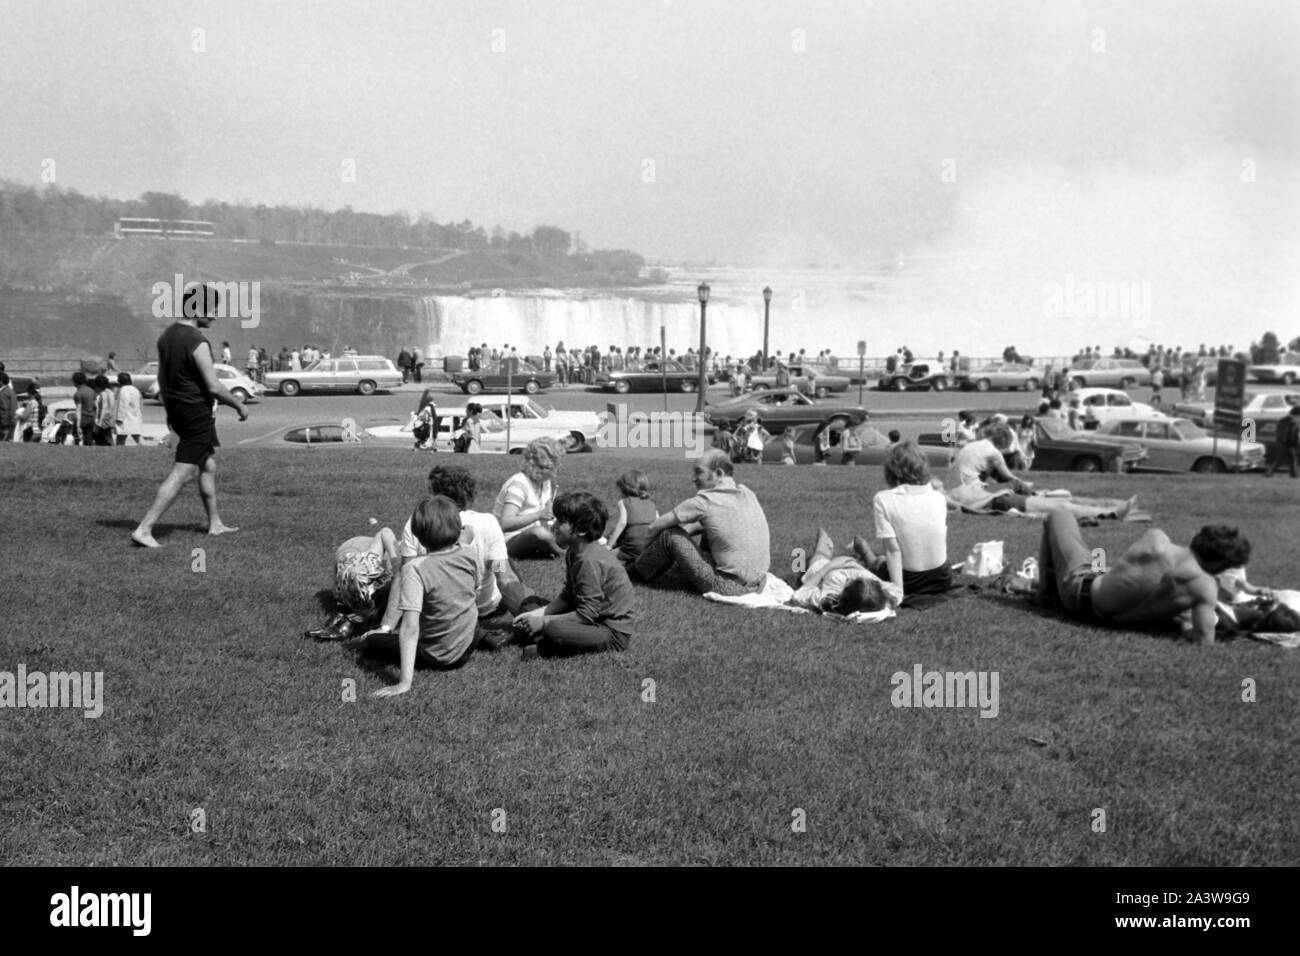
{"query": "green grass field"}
[(213, 700)]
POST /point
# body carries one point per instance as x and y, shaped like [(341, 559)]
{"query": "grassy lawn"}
[(214, 701)]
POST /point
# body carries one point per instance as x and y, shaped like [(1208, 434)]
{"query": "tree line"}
[(52, 211)]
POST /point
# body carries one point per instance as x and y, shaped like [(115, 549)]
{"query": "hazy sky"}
[(778, 132)]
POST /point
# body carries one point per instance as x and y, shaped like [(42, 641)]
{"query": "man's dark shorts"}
[(196, 430)]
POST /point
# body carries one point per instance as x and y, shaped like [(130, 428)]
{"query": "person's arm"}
[(513, 518), (620, 525), (203, 359), (1204, 617), (407, 639), (998, 465), (894, 561), (664, 522)]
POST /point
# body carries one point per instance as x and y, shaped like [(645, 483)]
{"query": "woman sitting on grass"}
[(439, 613), (523, 506), (594, 611), (911, 519)]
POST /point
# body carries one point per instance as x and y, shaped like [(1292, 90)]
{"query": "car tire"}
[(622, 386), (1086, 463), (574, 442), (289, 387), (983, 385), (899, 384), (240, 394), (1076, 383), (1209, 466), (689, 385), (822, 392), (939, 384), (1127, 383), (531, 387), (1288, 378), (1031, 385), (473, 387), (366, 388)]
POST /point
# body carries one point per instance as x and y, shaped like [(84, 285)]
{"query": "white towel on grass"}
[(777, 594)]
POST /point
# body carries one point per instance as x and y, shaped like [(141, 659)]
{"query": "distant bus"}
[(164, 227)]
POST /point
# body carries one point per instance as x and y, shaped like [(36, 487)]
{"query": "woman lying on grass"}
[(842, 585), (594, 611), (437, 595)]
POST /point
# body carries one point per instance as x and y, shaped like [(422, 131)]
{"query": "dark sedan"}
[(494, 379), (672, 377), (781, 408), (875, 448), (1057, 447)]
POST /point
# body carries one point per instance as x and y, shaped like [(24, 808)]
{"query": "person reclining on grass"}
[(1154, 580), (736, 550), (841, 585), (983, 459)]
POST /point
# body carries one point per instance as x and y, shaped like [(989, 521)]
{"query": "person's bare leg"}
[(208, 491), (1062, 550), (180, 476), (1081, 507)]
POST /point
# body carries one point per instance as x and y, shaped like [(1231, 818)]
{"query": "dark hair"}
[(967, 417), (861, 594), (634, 484), (473, 408), (895, 435), (1218, 547), (208, 304), (1056, 403), (123, 378), (1280, 620), (78, 378), (4, 378), (436, 522), (454, 482), (906, 465), (585, 514), (100, 383)]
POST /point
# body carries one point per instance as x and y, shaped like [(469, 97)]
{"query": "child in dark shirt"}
[(631, 529), (594, 611)]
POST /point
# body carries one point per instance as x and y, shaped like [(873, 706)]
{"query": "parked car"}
[(1102, 405), (918, 375), (781, 408), (807, 378), (363, 374), (1060, 448), (145, 377), (652, 378), (1263, 408), (1176, 444), (1283, 373), (527, 378), (1107, 372), (533, 415), (493, 434), (875, 447), (236, 382), (1010, 375), (150, 433)]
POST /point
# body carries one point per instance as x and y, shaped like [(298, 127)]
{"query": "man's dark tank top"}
[(179, 378)]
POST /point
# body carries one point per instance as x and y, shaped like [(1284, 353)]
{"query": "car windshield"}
[(1187, 431)]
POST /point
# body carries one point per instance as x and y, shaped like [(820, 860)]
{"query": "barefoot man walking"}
[(189, 385)]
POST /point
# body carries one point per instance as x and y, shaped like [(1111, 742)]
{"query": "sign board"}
[(862, 347), (1230, 394)]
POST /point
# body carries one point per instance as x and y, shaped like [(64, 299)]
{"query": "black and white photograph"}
[(652, 433)]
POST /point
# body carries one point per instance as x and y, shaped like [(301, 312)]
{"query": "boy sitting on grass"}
[(594, 611), (437, 596)]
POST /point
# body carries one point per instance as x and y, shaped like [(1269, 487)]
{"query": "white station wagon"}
[(1102, 405), (363, 374)]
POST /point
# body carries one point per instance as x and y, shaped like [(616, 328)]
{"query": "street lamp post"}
[(703, 385), (767, 311)]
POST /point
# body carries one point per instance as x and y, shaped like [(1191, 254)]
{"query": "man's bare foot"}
[(144, 539), (863, 550), (220, 528)]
